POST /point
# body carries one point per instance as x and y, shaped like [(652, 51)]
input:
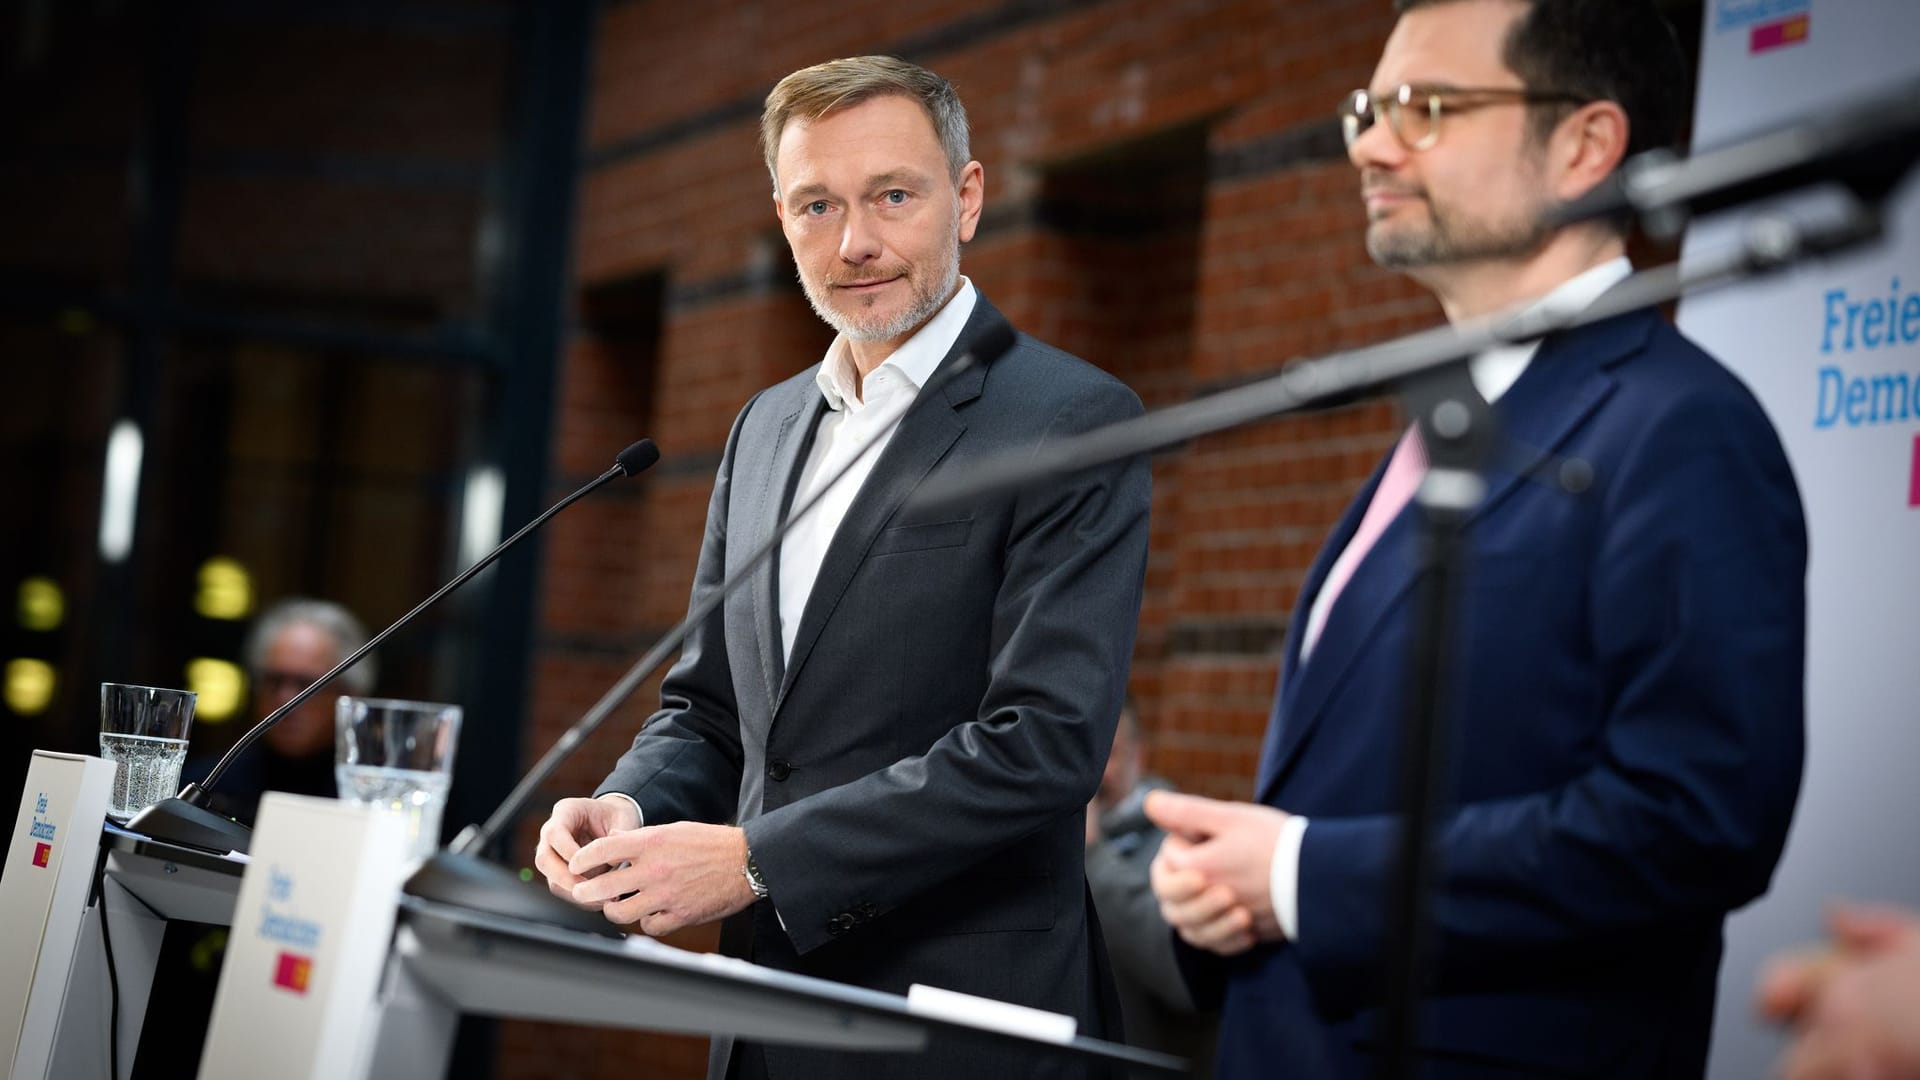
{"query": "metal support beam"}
[(531, 288), (156, 183)]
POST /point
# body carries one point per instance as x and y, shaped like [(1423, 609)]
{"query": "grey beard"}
[(924, 306)]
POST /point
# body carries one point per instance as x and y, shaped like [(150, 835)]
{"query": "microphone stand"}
[(185, 818), (1429, 370), (459, 876)]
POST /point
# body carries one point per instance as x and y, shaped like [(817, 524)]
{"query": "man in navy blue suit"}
[(1628, 662)]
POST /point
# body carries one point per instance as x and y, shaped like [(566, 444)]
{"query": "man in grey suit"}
[(873, 760)]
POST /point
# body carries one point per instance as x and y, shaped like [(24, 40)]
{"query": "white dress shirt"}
[(854, 418), (1494, 373)]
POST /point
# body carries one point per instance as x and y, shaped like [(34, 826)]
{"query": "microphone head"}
[(637, 458)]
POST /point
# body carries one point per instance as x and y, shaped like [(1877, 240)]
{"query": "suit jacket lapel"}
[(779, 474), (1370, 594), (1565, 382), (930, 428), (1291, 668)]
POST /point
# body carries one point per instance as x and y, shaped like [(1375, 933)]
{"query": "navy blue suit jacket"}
[(1627, 738)]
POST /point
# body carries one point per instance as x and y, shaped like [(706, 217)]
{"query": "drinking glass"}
[(397, 756), (143, 731)]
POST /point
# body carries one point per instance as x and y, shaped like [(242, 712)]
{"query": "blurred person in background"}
[(1121, 843), (291, 644)]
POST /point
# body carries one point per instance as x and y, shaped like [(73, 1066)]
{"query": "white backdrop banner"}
[(1833, 352)]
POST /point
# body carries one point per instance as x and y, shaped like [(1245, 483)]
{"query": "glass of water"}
[(143, 731), (397, 756)]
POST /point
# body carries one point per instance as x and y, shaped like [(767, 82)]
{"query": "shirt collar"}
[(914, 360), (1497, 369)]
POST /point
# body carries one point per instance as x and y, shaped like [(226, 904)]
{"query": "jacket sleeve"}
[(685, 762), (1696, 623), (1063, 623)]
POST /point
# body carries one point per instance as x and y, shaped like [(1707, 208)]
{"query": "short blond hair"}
[(811, 93)]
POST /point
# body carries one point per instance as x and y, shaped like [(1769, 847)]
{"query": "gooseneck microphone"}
[(185, 818), (458, 875)]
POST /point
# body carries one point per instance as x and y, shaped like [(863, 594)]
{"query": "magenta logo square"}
[(1913, 483)]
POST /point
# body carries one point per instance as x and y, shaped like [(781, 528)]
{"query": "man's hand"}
[(1205, 915), (576, 822), (664, 877), (1213, 874), (1855, 1007)]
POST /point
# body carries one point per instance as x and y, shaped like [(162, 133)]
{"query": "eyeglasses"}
[(1413, 112)]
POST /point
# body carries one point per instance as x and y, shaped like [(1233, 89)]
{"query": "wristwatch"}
[(754, 880)]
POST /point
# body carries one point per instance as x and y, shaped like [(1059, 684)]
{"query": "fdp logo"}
[(1913, 483), (292, 972), (1769, 24), (296, 939)]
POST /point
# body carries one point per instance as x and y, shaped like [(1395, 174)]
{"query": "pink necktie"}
[(1397, 485)]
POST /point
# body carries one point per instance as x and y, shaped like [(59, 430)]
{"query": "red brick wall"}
[(1164, 197), (427, 106)]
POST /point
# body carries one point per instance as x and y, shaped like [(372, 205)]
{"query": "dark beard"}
[(1439, 244)]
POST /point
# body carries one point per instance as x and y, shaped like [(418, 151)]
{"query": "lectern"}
[(421, 964)]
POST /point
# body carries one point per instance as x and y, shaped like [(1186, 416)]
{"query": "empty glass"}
[(143, 731), (398, 756)]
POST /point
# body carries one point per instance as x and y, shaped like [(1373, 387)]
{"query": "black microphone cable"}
[(113, 974)]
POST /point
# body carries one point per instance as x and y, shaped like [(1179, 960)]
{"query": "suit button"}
[(865, 912), (840, 923), (778, 770)]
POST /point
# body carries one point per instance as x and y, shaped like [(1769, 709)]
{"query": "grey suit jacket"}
[(912, 782)]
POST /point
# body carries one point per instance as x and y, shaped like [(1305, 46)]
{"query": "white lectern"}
[(450, 960), (437, 961), (44, 890), (144, 885), (321, 894)]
